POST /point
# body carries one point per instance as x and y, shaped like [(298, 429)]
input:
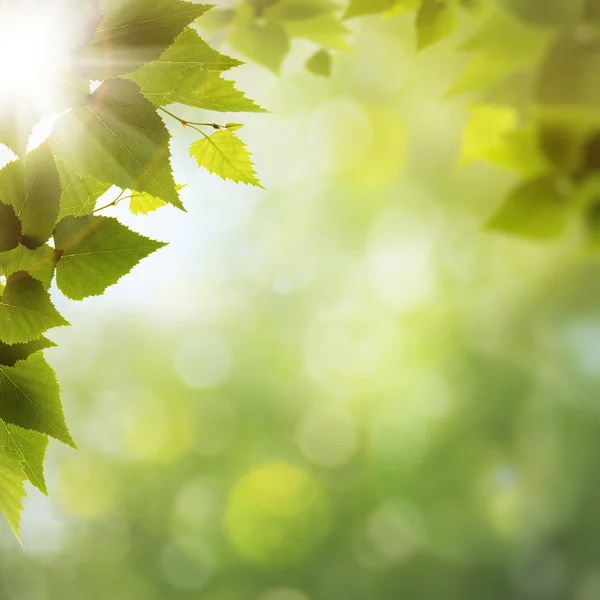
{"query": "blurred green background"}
[(341, 388)]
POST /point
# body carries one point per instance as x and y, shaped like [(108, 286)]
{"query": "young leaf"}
[(95, 252), (12, 488), (39, 263), (79, 194), (134, 32), (10, 354), (225, 155), (29, 398), (32, 187), (119, 139), (29, 447), (10, 228), (142, 204), (26, 311), (320, 63)]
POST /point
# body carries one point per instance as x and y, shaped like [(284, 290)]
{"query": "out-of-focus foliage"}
[(103, 80), (345, 387), (531, 72)]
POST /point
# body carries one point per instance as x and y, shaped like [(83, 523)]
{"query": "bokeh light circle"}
[(277, 515)]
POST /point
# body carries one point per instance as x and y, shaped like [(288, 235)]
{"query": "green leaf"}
[(190, 50), (135, 32), (30, 448), (264, 43), (436, 20), (164, 84), (12, 488), (39, 263), (225, 155), (29, 398), (79, 194), (142, 204), (10, 354), (189, 73), (95, 252), (320, 63), (10, 228), (26, 310), (16, 137), (537, 209), (358, 8), (32, 187), (119, 139)]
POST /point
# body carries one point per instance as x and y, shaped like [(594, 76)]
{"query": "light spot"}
[(277, 515), (203, 360), (283, 286), (327, 436)]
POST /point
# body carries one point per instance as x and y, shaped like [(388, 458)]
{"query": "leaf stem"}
[(116, 201), (191, 124)]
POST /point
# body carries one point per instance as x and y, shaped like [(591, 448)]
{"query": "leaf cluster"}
[(141, 57)]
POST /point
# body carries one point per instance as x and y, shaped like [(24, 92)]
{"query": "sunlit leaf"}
[(225, 155), (39, 263), (29, 398), (95, 252), (12, 488), (32, 187), (79, 194), (26, 310), (134, 32), (119, 139), (29, 447)]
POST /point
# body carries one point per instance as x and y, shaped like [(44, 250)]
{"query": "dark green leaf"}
[(10, 228), (10, 354)]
